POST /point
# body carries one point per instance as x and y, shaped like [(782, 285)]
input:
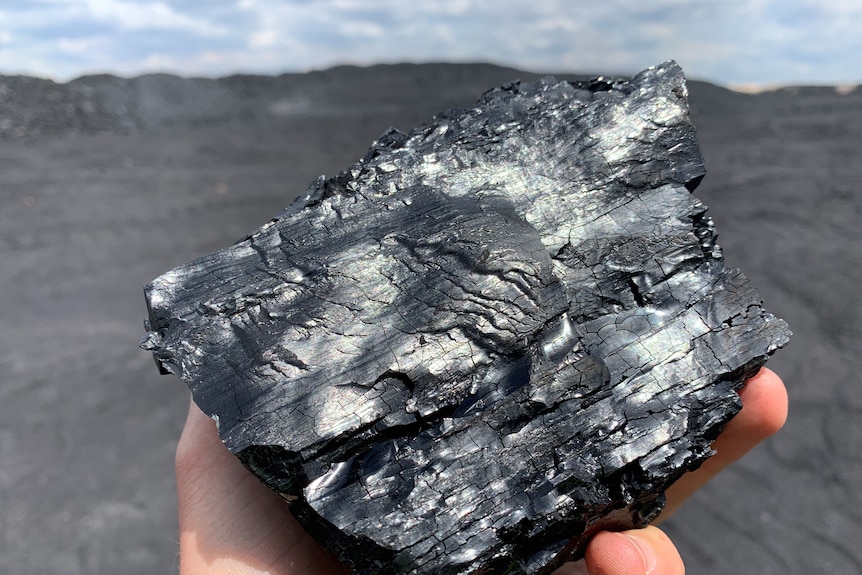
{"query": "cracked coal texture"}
[(486, 340)]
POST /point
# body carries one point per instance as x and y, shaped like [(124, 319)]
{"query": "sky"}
[(730, 42)]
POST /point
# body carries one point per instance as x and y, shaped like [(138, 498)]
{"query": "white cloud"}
[(362, 29), (148, 15), (265, 38), (726, 40), (81, 46), (738, 41)]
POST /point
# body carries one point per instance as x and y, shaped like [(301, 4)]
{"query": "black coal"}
[(487, 339)]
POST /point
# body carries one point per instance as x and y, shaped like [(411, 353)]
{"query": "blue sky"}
[(732, 42)]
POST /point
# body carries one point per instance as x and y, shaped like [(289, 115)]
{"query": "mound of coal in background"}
[(107, 182)]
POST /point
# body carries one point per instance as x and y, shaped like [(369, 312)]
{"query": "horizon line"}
[(748, 88)]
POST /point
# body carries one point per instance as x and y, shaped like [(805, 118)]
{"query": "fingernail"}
[(647, 554)]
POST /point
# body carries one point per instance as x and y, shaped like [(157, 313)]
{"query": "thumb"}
[(645, 551)]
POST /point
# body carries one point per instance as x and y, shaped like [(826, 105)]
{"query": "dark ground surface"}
[(106, 183)]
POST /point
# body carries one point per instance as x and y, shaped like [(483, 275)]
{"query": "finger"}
[(645, 551), (229, 521), (764, 411)]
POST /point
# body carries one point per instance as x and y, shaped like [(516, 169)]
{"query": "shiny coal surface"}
[(507, 328)]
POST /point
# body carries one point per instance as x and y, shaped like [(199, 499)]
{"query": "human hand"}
[(232, 524)]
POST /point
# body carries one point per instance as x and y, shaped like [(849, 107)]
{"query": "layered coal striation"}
[(486, 340)]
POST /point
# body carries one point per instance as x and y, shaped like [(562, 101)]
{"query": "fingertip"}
[(645, 551), (764, 404), (763, 413), (613, 554)]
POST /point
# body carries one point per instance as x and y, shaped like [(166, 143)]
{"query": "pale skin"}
[(231, 524)]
